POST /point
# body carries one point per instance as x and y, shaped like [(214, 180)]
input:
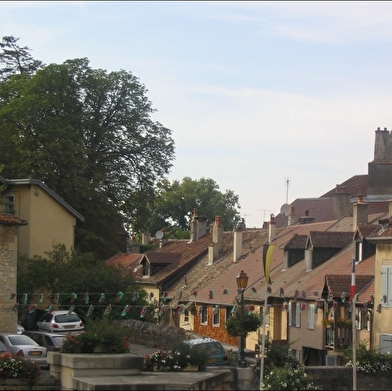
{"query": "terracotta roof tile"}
[(337, 284), (9, 219), (329, 239)]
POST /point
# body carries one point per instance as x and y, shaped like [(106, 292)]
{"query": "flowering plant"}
[(20, 368), (344, 322), (327, 322)]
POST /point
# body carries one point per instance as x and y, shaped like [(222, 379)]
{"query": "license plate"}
[(35, 353), (212, 360), (69, 327)]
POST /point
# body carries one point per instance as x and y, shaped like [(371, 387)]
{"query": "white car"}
[(63, 322)]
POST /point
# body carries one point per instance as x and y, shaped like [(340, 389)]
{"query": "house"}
[(157, 270), (50, 219), (9, 237)]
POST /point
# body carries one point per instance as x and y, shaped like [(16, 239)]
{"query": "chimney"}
[(341, 203), (291, 220), (360, 212), (271, 228), (216, 247), (193, 233), (146, 238), (237, 246)]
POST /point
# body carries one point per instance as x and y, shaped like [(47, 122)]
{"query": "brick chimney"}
[(360, 212), (216, 247), (291, 219), (237, 246), (341, 203)]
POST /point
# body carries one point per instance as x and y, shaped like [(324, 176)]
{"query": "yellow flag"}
[(268, 253)]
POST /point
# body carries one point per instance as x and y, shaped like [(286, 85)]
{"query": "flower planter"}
[(66, 366)]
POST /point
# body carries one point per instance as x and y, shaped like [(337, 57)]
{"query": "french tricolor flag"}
[(353, 290)]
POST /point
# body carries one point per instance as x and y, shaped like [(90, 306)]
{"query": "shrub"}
[(368, 360), (288, 379), (100, 336), (176, 359), (19, 368)]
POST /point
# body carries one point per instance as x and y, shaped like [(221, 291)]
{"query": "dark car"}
[(215, 351)]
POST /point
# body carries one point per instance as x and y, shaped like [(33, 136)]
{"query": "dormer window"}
[(146, 269)]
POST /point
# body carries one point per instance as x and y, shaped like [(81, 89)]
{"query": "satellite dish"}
[(159, 235), (285, 209)]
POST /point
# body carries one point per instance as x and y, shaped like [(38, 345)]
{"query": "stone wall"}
[(341, 378), (153, 335), (8, 269)]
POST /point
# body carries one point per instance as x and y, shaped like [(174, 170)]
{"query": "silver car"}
[(51, 341), (24, 347)]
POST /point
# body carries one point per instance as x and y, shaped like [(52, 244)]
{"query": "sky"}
[(272, 100)]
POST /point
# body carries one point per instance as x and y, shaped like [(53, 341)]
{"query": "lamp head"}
[(242, 280)]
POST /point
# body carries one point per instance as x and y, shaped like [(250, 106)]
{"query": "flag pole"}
[(263, 336), (354, 328)]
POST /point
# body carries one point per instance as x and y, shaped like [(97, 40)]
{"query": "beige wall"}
[(381, 320), (8, 270), (48, 221)]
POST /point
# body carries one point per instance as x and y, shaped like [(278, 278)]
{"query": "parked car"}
[(3, 350), (20, 329), (51, 341), (62, 322), (23, 346), (217, 354)]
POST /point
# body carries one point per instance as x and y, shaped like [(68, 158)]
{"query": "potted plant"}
[(327, 322)]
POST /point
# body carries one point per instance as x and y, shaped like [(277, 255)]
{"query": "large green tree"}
[(177, 199), (87, 134)]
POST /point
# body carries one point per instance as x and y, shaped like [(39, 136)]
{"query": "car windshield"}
[(66, 318), (21, 340)]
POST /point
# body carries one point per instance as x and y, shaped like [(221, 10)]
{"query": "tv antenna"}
[(265, 211), (287, 190)]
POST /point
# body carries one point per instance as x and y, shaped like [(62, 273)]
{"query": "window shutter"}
[(311, 316), (290, 314), (298, 315)]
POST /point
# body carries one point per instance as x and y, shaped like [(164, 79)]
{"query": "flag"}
[(268, 253), (353, 290)]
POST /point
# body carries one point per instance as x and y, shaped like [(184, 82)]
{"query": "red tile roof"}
[(9, 219)]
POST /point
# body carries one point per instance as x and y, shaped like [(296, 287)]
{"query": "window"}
[(386, 281), (216, 319), (204, 315), (229, 312), (386, 343), (186, 316), (294, 314), (311, 314), (9, 204)]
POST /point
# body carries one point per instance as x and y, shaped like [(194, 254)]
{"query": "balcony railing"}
[(339, 337)]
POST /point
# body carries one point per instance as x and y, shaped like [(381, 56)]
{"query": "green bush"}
[(287, 378), (368, 360), (238, 325), (100, 336)]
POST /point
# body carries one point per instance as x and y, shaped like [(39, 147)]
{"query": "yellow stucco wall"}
[(382, 321), (48, 221)]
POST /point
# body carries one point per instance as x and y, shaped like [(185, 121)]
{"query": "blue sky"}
[(256, 93)]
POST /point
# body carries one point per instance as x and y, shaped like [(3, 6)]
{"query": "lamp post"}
[(242, 283)]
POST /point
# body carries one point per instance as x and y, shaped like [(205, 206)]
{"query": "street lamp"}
[(242, 283)]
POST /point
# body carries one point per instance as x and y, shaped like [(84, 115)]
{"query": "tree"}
[(176, 201), (67, 273), (16, 59), (89, 136)]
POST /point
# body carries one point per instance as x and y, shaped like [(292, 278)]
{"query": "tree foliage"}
[(16, 59), (88, 135), (66, 273), (242, 325), (176, 201)]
